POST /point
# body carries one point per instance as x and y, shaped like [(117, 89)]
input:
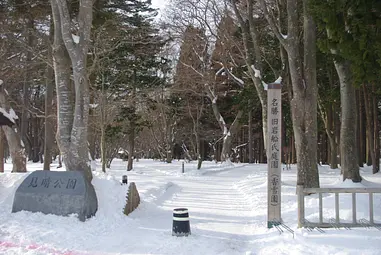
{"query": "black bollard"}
[(124, 179), (181, 226), (182, 168)]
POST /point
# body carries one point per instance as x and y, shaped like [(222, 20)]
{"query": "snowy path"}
[(218, 211), (222, 217)]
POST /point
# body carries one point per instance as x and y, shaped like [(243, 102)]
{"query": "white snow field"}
[(227, 207)]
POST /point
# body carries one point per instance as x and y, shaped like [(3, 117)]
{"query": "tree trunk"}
[(198, 148), (360, 137), (332, 140), (262, 151), (103, 150), (169, 155), (16, 149), (324, 150), (250, 135), (200, 145), (35, 139), (227, 140), (348, 131), (330, 131), (15, 143), (131, 147), (92, 131), (304, 86), (253, 59), (304, 101), (196, 132), (72, 122), (132, 131), (1, 151), (26, 84), (59, 161), (227, 133), (376, 160), (49, 127), (369, 124), (103, 127)]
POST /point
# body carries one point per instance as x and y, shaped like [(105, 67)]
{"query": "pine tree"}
[(134, 65)]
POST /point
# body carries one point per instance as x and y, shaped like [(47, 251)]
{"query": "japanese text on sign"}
[(274, 134), (274, 197), (49, 183)]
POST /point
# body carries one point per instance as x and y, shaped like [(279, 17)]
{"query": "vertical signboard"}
[(274, 108)]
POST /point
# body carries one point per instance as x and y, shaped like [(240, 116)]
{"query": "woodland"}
[(100, 79)]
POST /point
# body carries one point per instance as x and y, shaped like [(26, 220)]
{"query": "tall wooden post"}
[(274, 106)]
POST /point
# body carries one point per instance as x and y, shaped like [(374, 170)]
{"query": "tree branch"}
[(271, 20)]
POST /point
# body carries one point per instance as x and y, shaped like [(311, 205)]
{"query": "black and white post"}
[(180, 225), (274, 114), (124, 180)]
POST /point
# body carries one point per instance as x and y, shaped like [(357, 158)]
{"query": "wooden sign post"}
[(274, 110)]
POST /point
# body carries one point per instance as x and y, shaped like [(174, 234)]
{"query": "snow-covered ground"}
[(227, 208)]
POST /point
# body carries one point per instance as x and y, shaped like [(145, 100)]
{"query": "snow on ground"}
[(227, 206)]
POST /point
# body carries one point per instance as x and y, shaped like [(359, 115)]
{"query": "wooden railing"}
[(335, 222)]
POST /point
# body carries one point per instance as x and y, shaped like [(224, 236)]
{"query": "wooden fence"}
[(335, 222)]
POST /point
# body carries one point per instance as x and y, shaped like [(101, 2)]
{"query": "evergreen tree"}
[(352, 37), (134, 65)]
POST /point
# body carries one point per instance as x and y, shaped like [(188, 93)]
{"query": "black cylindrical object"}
[(181, 226), (124, 179), (182, 168)]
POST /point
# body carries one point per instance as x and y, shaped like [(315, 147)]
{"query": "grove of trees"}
[(99, 79)]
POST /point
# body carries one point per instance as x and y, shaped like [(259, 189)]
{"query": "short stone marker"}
[(59, 193), (180, 225), (133, 199)]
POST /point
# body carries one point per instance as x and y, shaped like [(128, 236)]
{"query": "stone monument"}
[(59, 193)]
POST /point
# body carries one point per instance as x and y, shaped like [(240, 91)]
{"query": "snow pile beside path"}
[(111, 196), (8, 185), (40, 230)]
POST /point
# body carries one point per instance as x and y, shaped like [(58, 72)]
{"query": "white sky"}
[(159, 3)]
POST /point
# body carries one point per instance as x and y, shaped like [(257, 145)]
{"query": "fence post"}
[(300, 194)]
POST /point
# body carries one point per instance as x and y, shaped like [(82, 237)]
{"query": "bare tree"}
[(72, 101), (253, 56), (207, 52), (304, 85), (15, 144)]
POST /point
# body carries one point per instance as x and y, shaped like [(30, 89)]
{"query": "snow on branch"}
[(75, 38), (210, 94), (265, 85), (219, 72), (11, 115), (278, 81), (257, 73), (273, 25), (235, 78)]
